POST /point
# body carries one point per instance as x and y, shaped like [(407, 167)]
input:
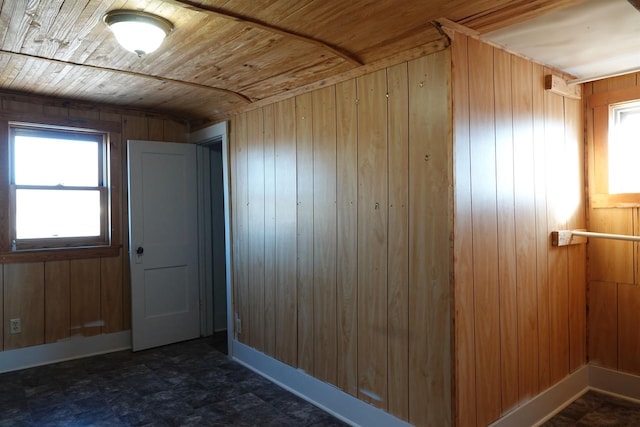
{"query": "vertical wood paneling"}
[(525, 220), (24, 299), (603, 319), (557, 216), (628, 342), (286, 247), (611, 260), (506, 228), (235, 241), (242, 272), (269, 232), (256, 221), (577, 254), (84, 289), (485, 244), (464, 353), (429, 247), (347, 235), (372, 238), (398, 252), (304, 140), (57, 297), (542, 238), (324, 234), (111, 293)]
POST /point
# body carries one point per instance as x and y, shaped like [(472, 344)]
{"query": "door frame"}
[(205, 138)]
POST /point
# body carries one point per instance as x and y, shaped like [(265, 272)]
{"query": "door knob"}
[(140, 250)]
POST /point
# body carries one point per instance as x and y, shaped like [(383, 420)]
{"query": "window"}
[(624, 148), (59, 188), (59, 191)]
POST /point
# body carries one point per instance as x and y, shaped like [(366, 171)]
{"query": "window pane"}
[(57, 213), (48, 161), (624, 150)]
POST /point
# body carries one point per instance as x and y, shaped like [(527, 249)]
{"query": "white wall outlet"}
[(15, 326)]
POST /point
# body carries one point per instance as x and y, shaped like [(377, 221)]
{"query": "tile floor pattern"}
[(597, 409), (186, 384)]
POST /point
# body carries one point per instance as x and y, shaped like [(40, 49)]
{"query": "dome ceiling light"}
[(137, 31)]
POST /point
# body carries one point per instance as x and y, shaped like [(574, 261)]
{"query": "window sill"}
[(59, 254), (627, 200)]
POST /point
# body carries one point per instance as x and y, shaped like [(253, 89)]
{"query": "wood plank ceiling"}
[(222, 54)]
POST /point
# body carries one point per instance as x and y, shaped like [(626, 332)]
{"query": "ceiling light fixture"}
[(137, 31)]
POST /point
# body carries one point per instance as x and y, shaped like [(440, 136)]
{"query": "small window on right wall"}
[(624, 148)]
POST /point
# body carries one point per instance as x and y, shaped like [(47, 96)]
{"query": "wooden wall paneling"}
[(235, 245), (485, 244), (577, 254), (84, 290), (324, 234), (175, 131), (111, 293), (506, 228), (372, 238), (600, 159), (429, 244), (269, 232), (347, 235), (24, 299), (305, 179), (242, 273), (557, 220), (542, 242), (156, 129), (256, 206), (286, 232), (133, 127), (603, 320), (628, 315), (611, 260), (525, 231), (621, 82), (398, 252), (56, 301), (464, 350)]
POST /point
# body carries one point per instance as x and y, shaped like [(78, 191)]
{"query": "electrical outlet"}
[(15, 326)]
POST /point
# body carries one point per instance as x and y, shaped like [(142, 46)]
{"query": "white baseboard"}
[(330, 398), (547, 403), (614, 382), (71, 348)]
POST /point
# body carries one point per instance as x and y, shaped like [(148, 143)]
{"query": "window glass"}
[(624, 149)]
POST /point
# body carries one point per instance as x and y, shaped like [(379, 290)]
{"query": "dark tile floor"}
[(184, 384), (597, 409)]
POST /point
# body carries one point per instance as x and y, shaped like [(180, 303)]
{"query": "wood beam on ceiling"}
[(214, 11), (131, 73)]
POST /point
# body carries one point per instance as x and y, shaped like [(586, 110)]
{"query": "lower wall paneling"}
[(362, 229)]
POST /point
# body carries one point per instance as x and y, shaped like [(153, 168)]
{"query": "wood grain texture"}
[(525, 219), (557, 216), (372, 238), (57, 298), (243, 302), (24, 300), (111, 294), (286, 239), (628, 314), (603, 319), (464, 314), (324, 235), (506, 228), (269, 232), (611, 260), (398, 250), (542, 240), (429, 245), (305, 179), (485, 233), (347, 235), (84, 290), (256, 220)]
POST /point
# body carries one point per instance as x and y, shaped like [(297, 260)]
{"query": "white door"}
[(163, 243)]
